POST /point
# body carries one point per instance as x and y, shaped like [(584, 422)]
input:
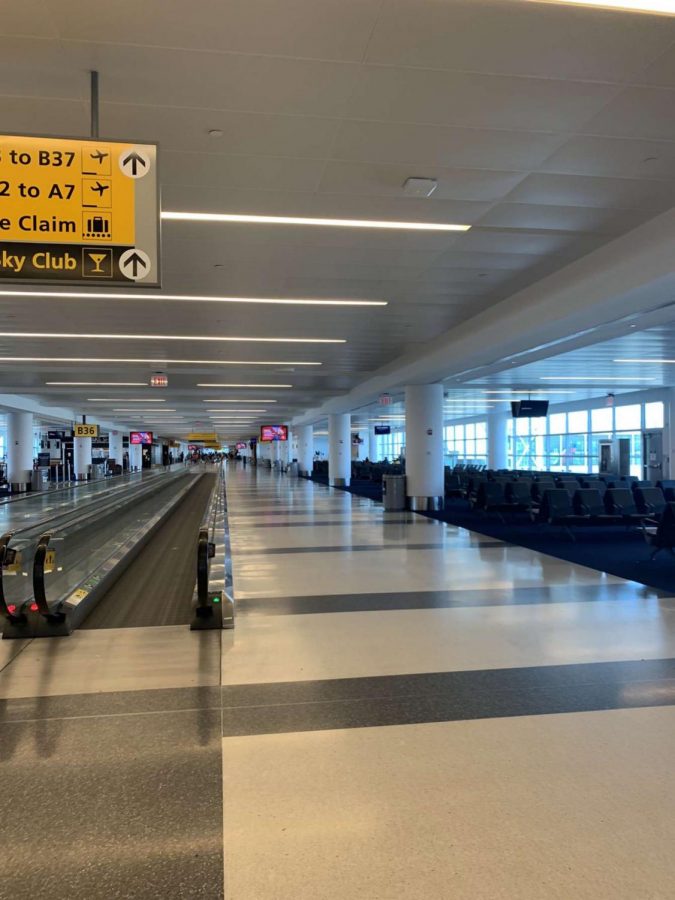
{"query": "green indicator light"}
[(216, 599)]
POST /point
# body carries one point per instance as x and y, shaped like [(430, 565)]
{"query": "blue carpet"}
[(616, 551)]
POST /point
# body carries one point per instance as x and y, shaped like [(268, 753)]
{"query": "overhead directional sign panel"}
[(78, 211)]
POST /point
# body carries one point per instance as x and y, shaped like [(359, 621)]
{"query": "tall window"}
[(570, 442), (390, 446), (466, 443)]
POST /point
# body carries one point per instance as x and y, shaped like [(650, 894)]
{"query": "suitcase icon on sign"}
[(97, 227)]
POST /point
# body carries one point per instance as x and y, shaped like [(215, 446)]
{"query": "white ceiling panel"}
[(436, 145), (30, 17), (637, 112), (204, 80), (250, 134), (327, 29), (39, 115), (624, 157), (564, 218), (209, 170), (581, 190), (518, 39), (478, 101), (19, 76), (387, 180)]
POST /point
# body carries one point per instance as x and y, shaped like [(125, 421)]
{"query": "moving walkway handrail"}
[(72, 519), (4, 542), (214, 604)]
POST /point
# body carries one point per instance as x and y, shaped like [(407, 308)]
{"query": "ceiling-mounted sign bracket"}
[(76, 211)]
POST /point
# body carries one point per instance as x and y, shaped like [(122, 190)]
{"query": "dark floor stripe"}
[(446, 697), (358, 548), (109, 703), (449, 599), (348, 522)]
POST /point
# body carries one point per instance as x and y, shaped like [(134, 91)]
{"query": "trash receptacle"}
[(393, 492)]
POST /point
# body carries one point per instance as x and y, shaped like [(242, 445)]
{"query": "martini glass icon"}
[(97, 259)]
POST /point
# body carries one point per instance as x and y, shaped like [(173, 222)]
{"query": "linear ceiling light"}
[(219, 385), (624, 378), (234, 412), (122, 400), (305, 220), (135, 410), (101, 383), (239, 400), (652, 361), (665, 7), (194, 298), (534, 391), (168, 337), (183, 362)]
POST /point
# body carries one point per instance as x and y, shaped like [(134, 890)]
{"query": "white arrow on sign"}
[(135, 264), (135, 162)]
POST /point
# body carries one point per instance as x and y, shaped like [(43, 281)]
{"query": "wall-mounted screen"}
[(140, 437), (383, 429), (529, 409), (273, 433)]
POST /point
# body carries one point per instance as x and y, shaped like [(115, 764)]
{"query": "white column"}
[(135, 457), (116, 446), (496, 436), (305, 435), (424, 444), (339, 449), (19, 447), (81, 457)]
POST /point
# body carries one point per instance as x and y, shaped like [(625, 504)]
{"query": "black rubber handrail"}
[(203, 568), (4, 608), (39, 592)]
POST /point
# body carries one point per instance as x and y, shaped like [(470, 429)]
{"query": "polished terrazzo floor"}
[(404, 710)]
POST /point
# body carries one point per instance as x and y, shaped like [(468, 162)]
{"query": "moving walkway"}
[(125, 559)]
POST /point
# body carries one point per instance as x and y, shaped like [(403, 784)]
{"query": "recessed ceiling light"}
[(304, 220), (220, 385), (419, 187), (182, 362), (68, 335), (215, 133), (193, 298), (665, 7), (533, 391)]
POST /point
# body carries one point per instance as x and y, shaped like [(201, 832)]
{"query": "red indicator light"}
[(34, 607), (11, 608)]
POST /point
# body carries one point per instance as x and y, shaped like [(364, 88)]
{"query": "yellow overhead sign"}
[(90, 431), (199, 437), (78, 211)]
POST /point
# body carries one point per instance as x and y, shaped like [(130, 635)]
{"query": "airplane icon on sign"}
[(100, 188), (99, 156)]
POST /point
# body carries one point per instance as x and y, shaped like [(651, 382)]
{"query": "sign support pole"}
[(94, 104)]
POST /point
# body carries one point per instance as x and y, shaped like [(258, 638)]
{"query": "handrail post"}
[(39, 592), (4, 608)]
